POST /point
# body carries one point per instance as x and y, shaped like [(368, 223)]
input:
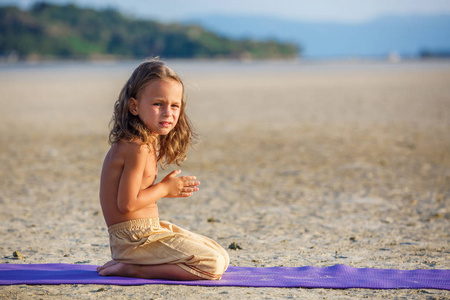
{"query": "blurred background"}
[(111, 29)]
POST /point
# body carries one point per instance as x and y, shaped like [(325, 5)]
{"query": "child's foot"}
[(118, 269), (108, 264)]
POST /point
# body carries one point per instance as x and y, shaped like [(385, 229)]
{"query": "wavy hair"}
[(172, 148)]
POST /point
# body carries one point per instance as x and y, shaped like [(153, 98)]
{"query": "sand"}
[(300, 163)]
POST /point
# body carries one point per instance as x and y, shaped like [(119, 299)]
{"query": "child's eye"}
[(157, 104)]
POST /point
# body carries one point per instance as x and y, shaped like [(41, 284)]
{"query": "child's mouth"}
[(165, 124)]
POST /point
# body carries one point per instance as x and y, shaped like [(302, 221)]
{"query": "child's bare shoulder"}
[(130, 150)]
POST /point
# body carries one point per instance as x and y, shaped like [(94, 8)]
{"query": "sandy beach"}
[(300, 163)]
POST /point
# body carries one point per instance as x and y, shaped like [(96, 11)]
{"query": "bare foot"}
[(108, 264), (173, 272), (118, 269)]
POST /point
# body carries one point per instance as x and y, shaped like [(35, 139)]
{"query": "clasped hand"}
[(183, 186)]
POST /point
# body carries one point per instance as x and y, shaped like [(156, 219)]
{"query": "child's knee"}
[(220, 263)]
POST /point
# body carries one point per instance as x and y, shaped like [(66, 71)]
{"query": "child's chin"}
[(164, 132)]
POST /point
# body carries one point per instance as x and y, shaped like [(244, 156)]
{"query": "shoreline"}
[(22, 64)]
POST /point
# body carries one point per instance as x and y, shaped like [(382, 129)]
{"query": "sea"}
[(230, 66)]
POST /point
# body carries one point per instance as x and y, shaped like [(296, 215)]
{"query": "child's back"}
[(112, 170)]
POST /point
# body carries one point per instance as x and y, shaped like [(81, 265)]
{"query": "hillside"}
[(48, 31)]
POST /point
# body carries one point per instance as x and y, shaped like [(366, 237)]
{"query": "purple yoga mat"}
[(337, 277)]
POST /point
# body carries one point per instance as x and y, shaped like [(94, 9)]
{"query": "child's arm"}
[(132, 198)]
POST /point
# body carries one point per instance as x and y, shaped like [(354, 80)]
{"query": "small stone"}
[(82, 262), (18, 255), (437, 216), (234, 246), (387, 220), (353, 238), (213, 220)]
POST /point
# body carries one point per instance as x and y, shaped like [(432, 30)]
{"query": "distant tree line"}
[(428, 53), (48, 31)]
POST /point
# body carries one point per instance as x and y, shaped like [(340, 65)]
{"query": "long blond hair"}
[(172, 148)]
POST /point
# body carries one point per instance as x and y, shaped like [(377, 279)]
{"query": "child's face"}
[(159, 105)]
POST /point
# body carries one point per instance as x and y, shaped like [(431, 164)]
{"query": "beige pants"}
[(151, 242)]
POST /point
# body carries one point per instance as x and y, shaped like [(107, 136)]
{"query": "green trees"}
[(50, 31)]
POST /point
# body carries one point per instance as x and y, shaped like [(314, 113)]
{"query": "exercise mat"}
[(336, 277)]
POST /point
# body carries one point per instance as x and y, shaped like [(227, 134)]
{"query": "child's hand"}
[(183, 186)]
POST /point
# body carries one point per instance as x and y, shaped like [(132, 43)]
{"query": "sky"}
[(346, 11)]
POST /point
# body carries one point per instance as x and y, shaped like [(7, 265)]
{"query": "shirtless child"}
[(150, 127)]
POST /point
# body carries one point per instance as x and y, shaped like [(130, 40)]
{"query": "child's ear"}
[(132, 106)]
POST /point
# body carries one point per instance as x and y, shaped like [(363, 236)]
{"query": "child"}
[(150, 127)]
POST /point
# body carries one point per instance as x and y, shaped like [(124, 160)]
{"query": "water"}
[(230, 66)]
